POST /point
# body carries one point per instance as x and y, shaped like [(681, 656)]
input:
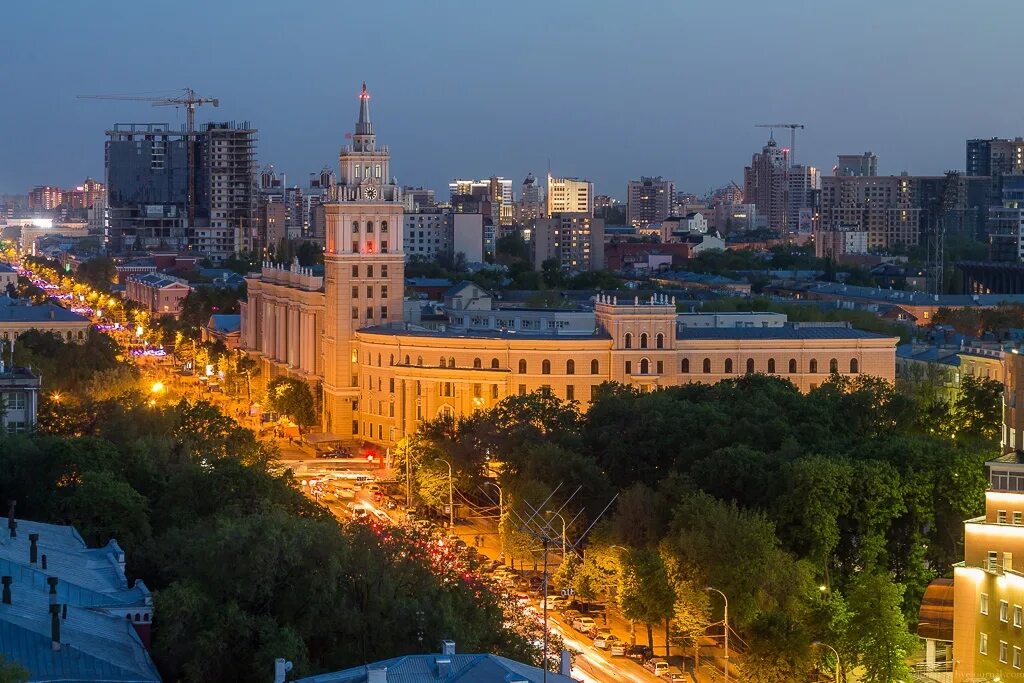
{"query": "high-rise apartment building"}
[(575, 241), (226, 193), (44, 198), (882, 206), (765, 184), (427, 233), (865, 164), (803, 198), (649, 201), (531, 204), (995, 157), (569, 195)]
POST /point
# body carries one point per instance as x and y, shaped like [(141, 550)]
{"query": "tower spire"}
[(363, 126)]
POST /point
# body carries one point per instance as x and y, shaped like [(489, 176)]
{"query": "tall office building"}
[(765, 185), (649, 200), (147, 177), (569, 195), (865, 164)]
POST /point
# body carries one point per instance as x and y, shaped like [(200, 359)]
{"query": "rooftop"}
[(437, 668), (12, 310), (787, 331)]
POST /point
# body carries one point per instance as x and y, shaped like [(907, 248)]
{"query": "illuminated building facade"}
[(569, 195), (343, 330)]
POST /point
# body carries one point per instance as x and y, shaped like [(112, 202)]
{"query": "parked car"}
[(617, 648), (569, 614), (659, 667), (583, 624), (639, 653), (604, 641), (555, 602)]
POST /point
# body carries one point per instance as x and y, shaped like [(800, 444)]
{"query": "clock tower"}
[(364, 267)]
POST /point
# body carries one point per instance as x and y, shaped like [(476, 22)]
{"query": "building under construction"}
[(148, 176)]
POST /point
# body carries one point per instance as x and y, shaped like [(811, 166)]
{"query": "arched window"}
[(728, 365), (522, 367), (369, 226), (707, 366), (545, 367), (833, 366), (771, 366), (451, 362), (594, 367), (407, 359), (643, 340), (494, 364), (627, 341), (792, 366), (378, 360), (645, 366), (853, 366), (383, 226), (570, 367), (814, 366), (419, 361), (750, 366), (355, 227), (477, 363), (685, 366), (659, 341), (440, 363), (391, 361)]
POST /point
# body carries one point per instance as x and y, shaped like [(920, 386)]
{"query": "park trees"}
[(291, 397)]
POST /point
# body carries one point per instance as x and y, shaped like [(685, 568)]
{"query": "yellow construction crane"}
[(792, 136), (189, 100)]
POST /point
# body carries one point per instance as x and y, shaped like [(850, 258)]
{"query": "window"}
[(629, 367), (659, 341), (1004, 651), (383, 271), (369, 313), (627, 341), (369, 271), (477, 363), (391, 385), (660, 365), (1017, 517), (771, 366), (522, 366), (1004, 611), (369, 291), (355, 313), (707, 366), (833, 367), (1001, 516), (643, 340), (684, 366), (477, 391), (728, 365), (522, 389), (383, 226), (792, 366), (355, 231), (383, 312), (813, 366), (419, 361), (1016, 657), (1018, 616), (594, 367), (1007, 562), (983, 603), (750, 366), (853, 366), (645, 366), (570, 393), (545, 367), (15, 400), (369, 226), (355, 271), (993, 561), (494, 391), (384, 291), (355, 245), (494, 364), (983, 643)]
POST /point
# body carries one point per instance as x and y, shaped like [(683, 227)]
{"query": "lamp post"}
[(451, 496), (501, 510), (632, 624), (725, 621), (835, 652), (559, 515)]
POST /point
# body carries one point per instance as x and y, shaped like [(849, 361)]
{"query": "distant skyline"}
[(604, 90)]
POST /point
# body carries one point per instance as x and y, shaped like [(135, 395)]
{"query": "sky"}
[(598, 89)]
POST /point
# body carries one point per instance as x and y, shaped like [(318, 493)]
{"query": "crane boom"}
[(792, 135), (190, 100)]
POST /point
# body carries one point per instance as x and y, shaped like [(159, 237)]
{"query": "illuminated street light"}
[(836, 653), (139, 331), (157, 387), (56, 396), (725, 621)]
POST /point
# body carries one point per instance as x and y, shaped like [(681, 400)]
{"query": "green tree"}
[(12, 672), (292, 397), (877, 629), (645, 593)]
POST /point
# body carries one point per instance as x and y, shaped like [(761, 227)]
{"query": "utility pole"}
[(725, 621)]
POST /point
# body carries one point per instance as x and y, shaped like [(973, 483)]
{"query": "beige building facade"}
[(380, 378)]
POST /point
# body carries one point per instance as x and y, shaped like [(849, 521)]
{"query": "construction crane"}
[(189, 100), (941, 208), (792, 135)]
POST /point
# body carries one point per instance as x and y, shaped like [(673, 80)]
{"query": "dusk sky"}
[(606, 90)]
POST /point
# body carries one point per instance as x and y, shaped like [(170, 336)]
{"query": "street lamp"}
[(157, 387), (559, 515), (835, 652), (451, 496), (725, 621)]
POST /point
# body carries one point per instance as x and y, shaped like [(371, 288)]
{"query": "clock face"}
[(370, 192)]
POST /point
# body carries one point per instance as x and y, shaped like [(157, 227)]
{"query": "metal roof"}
[(438, 668), (788, 331)]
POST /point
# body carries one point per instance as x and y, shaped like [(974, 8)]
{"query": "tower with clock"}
[(364, 266)]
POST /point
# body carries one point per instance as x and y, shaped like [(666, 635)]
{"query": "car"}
[(617, 648), (604, 641), (554, 602), (639, 653), (677, 676), (659, 667), (583, 624), (570, 614), (595, 629)]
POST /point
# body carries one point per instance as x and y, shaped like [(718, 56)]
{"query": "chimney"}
[(33, 548), (52, 580), (12, 524), (448, 647), (565, 666), (6, 581), (377, 674), (55, 626), (43, 561)]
